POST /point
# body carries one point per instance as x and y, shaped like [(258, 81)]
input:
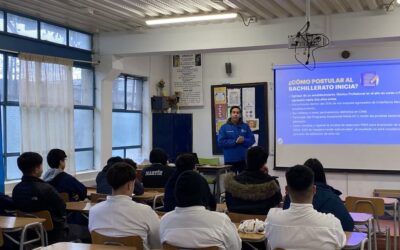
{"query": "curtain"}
[(47, 106)]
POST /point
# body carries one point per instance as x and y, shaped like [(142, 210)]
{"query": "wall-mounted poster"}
[(187, 79)]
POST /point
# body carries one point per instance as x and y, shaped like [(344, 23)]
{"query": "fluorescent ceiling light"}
[(188, 19), (398, 1)]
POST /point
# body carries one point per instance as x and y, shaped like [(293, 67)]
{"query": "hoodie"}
[(66, 183)]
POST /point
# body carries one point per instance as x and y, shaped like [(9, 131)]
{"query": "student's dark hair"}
[(317, 168), (119, 174), (28, 161), (185, 162), (130, 162), (158, 155), (299, 178), (256, 157), (235, 107), (190, 190), (55, 156), (114, 160)]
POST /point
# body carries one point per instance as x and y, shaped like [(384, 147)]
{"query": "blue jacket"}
[(102, 186), (327, 200), (227, 137)]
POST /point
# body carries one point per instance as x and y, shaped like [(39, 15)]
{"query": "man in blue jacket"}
[(235, 137)]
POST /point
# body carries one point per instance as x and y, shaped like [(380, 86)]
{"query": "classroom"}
[(124, 73)]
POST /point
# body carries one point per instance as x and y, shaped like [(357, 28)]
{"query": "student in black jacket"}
[(253, 191), (102, 186), (33, 194), (183, 163), (157, 175), (60, 180)]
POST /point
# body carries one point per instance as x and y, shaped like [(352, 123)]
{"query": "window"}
[(22, 26), (127, 117), (79, 40), (83, 85), (1, 21), (53, 33), (83, 118)]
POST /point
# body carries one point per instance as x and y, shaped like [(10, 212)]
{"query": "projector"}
[(307, 40)]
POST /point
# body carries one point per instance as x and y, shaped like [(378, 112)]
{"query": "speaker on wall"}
[(228, 68)]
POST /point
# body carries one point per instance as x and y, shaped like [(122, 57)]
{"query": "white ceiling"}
[(126, 15)]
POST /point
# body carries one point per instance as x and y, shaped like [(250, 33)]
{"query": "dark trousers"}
[(237, 167)]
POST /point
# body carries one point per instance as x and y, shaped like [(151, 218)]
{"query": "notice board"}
[(252, 98)]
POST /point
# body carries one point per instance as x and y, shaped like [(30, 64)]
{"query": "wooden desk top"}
[(354, 239), (146, 196), (91, 190), (9, 222), (81, 246), (79, 206), (360, 217), (255, 237)]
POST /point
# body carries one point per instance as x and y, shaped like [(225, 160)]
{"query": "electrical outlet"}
[(252, 19)]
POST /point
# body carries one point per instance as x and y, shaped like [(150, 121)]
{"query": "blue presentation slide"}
[(338, 103)]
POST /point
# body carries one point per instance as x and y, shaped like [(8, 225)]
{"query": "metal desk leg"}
[(395, 215)]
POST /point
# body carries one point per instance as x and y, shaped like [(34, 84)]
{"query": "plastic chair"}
[(168, 246), (1, 238), (373, 206), (130, 241), (237, 217)]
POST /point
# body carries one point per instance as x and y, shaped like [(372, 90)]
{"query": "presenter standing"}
[(235, 137)]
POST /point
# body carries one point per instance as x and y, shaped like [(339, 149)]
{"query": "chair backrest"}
[(237, 217), (64, 196), (209, 161), (168, 246), (44, 214), (1, 238), (130, 241), (160, 213), (370, 205), (96, 197), (279, 248)]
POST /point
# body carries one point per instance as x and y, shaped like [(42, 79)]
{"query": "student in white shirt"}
[(191, 225), (302, 227), (119, 216)]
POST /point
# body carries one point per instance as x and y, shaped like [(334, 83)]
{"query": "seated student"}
[(119, 216), (253, 191), (60, 180), (200, 227), (138, 189), (301, 226), (102, 186), (185, 162), (326, 199), (33, 194), (157, 175)]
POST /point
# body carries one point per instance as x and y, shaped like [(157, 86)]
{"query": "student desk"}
[(354, 240), (149, 196), (10, 224), (214, 170), (81, 246), (79, 206), (90, 191)]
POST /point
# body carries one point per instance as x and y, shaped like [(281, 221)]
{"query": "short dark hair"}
[(316, 166), (299, 178), (55, 156), (28, 161), (256, 157), (131, 162), (119, 174), (185, 162), (190, 190), (158, 155), (235, 107), (114, 160)]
